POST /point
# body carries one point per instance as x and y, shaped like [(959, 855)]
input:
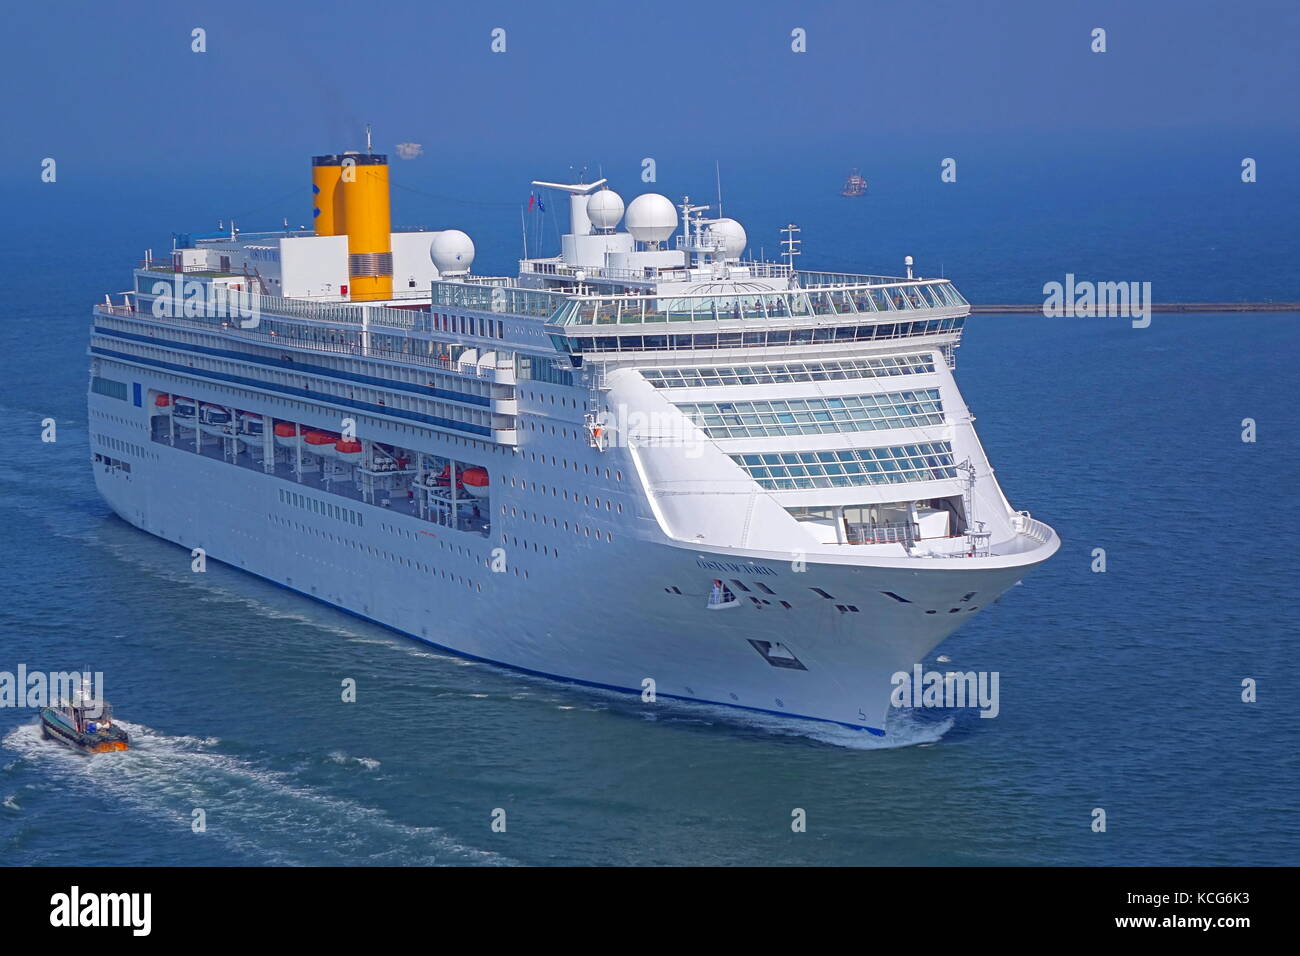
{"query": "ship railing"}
[(167, 267), (701, 241), (821, 280), (356, 317), (894, 532), (497, 295), (935, 297), (1031, 527), (225, 328), (754, 268)]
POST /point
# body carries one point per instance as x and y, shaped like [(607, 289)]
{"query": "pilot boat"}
[(84, 726)]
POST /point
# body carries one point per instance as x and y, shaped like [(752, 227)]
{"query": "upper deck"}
[(609, 293)]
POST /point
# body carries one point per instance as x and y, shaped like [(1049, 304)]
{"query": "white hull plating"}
[(603, 616)]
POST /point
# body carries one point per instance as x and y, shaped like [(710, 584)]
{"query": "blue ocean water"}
[(1119, 690)]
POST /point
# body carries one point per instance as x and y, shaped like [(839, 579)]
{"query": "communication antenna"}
[(689, 220), (791, 243), (717, 172), (368, 148)]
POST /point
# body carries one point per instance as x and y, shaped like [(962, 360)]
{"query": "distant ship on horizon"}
[(855, 185)]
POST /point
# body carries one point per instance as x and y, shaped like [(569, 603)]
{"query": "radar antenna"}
[(791, 243)]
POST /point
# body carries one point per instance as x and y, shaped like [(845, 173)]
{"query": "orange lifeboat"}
[(287, 434), (320, 443), (349, 451), (163, 401), (475, 481)]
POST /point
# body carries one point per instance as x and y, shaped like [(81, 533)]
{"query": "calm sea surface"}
[(1118, 690)]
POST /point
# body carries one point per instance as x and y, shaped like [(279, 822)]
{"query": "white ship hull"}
[(683, 470), (604, 616)]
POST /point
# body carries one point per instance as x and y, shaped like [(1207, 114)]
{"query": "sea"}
[(1121, 690)]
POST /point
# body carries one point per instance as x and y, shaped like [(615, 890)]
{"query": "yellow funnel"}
[(327, 203), (364, 185)]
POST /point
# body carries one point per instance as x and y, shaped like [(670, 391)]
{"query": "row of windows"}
[(113, 463), (895, 464), (585, 530), (344, 393), (127, 447), (877, 367), (284, 331), (544, 370), (290, 410), (469, 325), (326, 508), (759, 338), (106, 386), (817, 416), (373, 552), (133, 423)]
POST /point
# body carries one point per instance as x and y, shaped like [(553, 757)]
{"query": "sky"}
[(147, 132), (116, 85)]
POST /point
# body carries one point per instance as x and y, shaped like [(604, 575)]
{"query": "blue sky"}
[(115, 85)]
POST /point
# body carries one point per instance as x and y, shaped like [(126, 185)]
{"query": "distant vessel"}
[(74, 725), (855, 185)]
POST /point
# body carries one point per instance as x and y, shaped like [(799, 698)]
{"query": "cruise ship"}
[(650, 463)]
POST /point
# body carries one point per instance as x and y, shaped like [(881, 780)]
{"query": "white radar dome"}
[(604, 209), (732, 234), (651, 218), (452, 252)]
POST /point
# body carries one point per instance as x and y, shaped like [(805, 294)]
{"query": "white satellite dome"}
[(732, 234), (651, 218), (452, 252), (604, 209)]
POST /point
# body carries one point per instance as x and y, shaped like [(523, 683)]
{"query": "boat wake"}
[(266, 816)]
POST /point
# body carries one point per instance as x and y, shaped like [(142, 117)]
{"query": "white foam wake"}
[(266, 815)]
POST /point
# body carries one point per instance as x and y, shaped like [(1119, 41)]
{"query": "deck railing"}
[(896, 532)]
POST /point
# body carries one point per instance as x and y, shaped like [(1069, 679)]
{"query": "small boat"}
[(855, 185), (84, 727)]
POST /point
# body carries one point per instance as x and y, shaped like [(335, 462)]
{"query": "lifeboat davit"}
[(475, 482), (348, 451), (214, 419), (286, 434), (250, 423), (320, 443)]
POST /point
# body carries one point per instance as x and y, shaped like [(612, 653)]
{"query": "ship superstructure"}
[(570, 471)]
